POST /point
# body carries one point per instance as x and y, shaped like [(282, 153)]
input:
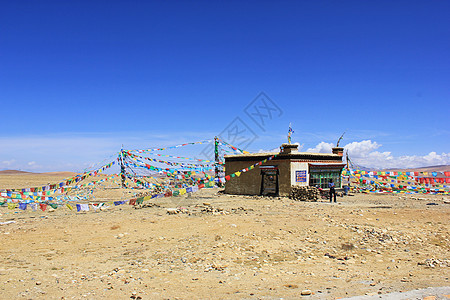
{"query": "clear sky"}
[(80, 78)]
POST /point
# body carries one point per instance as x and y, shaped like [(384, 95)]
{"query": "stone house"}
[(289, 168)]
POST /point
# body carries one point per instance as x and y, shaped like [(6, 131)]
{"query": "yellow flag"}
[(182, 191), (238, 174), (69, 206), (11, 205)]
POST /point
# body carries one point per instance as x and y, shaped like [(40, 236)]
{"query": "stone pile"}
[(304, 193)]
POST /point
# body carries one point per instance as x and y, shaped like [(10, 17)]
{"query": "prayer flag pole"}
[(122, 168), (290, 132), (216, 158)]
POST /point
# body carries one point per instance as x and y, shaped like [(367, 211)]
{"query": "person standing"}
[(332, 191)]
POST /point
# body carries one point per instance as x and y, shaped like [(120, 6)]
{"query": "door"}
[(269, 181)]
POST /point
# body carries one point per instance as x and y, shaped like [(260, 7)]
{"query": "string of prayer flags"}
[(239, 172), (170, 163), (399, 182), (233, 147), (172, 147)]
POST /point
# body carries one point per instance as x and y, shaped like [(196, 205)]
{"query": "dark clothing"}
[(346, 189), (332, 192)]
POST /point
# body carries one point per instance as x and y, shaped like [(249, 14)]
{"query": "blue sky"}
[(80, 78)]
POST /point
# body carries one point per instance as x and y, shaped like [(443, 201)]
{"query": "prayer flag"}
[(43, 206), (82, 207)]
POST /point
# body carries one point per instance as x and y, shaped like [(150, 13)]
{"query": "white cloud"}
[(277, 149), (365, 153), (361, 149), (268, 151), (322, 147), (300, 146), (7, 163)]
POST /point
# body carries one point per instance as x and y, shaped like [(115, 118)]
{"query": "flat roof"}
[(280, 155)]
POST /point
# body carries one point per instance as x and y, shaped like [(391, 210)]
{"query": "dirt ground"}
[(216, 246)]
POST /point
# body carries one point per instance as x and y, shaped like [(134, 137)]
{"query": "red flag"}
[(43, 206)]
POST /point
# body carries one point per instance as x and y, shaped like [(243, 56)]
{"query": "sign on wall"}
[(300, 176)]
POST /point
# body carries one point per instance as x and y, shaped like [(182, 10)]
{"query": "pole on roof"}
[(339, 140)]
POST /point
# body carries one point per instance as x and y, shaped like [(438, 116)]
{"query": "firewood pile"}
[(304, 193)]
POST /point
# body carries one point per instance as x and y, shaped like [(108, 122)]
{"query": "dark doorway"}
[(269, 180)]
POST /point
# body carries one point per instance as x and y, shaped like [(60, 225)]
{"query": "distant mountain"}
[(62, 174), (15, 172), (440, 168)]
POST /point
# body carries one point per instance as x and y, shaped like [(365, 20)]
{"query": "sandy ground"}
[(221, 247)]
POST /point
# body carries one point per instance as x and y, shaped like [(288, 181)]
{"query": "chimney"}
[(338, 150), (288, 148)]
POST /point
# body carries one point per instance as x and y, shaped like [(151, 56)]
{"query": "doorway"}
[(269, 180)]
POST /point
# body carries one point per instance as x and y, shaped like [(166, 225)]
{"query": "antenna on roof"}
[(337, 144)]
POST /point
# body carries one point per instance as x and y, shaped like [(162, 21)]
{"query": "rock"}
[(306, 293), (38, 283), (172, 211)]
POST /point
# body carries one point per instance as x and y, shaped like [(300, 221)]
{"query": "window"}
[(321, 178)]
